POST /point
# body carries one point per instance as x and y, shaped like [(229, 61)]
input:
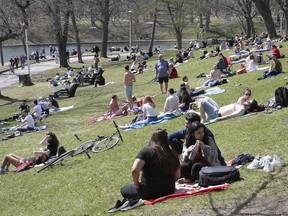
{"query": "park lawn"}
[(83, 186)]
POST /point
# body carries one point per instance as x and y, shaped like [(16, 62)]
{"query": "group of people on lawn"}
[(167, 158)]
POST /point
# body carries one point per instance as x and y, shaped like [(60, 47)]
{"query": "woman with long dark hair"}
[(159, 166), (199, 150)]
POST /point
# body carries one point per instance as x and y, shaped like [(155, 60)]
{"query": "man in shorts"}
[(129, 78), (162, 72), (114, 107)]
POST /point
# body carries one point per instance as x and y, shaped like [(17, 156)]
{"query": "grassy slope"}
[(89, 187)]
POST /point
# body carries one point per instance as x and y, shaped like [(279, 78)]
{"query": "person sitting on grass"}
[(185, 99), (149, 113), (114, 108), (53, 104), (274, 70), (27, 120), (37, 111), (49, 147), (175, 138), (160, 168), (215, 77), (199, 150), (171, 102)]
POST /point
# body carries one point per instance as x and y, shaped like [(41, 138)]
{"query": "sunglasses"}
[(248, 94)]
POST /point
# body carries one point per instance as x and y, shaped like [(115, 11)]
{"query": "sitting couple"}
[(210, 111)]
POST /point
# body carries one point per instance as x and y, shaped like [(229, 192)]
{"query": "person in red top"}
[(275, 51)]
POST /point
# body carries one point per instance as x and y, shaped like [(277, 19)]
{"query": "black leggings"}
[(191, 171)]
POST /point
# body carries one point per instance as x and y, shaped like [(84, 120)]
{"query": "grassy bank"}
[(85, 186)]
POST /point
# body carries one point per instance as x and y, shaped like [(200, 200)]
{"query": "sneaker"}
[(133, 204), (277, 161), (2, 171), (268, 166), (119, 205), (255, 164)]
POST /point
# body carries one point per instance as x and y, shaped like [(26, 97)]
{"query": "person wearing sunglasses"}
[(245, 97)]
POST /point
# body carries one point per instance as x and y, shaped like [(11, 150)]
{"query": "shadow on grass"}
[(244, 203), (9, 100)]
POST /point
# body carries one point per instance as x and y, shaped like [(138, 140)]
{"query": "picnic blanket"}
[(185, 190), (61, 109), (161, 119), (213, 91), (36, 128), (107, 116)]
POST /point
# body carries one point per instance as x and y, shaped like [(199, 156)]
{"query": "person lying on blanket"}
[(175, 138), (246, 96), (160, 168), (114, 107), (149, 113), (209, 109), (199, 150)]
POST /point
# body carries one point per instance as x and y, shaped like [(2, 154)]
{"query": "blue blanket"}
[(160, 120)]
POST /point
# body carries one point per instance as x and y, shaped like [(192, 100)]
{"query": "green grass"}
[(85, 186)]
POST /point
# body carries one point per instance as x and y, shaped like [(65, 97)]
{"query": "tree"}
[(60, 10), (263, 7), (284, 7), (245, 13), (176, 12), (76, 31)]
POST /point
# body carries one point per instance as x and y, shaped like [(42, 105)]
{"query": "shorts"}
[(211, 108), (128, 90), (118, 112), (161, 79)]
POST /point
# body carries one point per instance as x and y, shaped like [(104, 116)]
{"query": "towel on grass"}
[(36, 128), (161, 119), (61, 109), (185, 190), (213, 91)]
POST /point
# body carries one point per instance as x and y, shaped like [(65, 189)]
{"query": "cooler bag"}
[(216, 175)]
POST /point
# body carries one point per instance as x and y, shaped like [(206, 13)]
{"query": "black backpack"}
[(216, 175), (281, 96)]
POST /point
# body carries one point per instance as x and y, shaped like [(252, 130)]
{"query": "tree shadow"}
[(9, 100), (244, 203)]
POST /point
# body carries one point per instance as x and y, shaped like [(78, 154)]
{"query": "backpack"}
[(173, 72), (216, 175), (281, 96)]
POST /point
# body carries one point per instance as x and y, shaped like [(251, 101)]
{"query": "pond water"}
[(12, 51)]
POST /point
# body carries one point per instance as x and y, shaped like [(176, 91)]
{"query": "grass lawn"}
[(83, 186)]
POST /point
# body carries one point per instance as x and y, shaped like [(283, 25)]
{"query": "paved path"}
[(7, 79)]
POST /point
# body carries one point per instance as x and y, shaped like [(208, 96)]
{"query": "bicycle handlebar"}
[(116, 126), (75, 135)]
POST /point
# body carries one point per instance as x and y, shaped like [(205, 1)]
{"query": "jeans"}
[(211, 108)]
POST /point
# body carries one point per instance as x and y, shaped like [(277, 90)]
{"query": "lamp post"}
[(130, 12), (27, 50)]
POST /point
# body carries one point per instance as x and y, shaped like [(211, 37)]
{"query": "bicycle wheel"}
[(84, 147), (105, 144)]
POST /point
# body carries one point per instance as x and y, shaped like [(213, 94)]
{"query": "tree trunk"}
[(179, 38), (1, 54), (105, 26), (77, 37), (207, 15), (150, 49), (25, 80), (264, 9)]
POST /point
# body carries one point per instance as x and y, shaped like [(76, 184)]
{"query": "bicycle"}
[(100, 144)]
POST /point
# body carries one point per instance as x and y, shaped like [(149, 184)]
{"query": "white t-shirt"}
[(148, 110), (30, 121), (171, 103), (37, 111), (44, 105)]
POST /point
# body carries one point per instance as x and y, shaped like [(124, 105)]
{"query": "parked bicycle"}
[(100, 144)]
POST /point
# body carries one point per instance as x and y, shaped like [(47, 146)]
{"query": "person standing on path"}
[(129, 78), (56, 56), (162, 72)]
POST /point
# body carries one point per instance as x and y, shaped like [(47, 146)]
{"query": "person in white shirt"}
[(172, 101), (44, 105), (37, 110), (27, 120)]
